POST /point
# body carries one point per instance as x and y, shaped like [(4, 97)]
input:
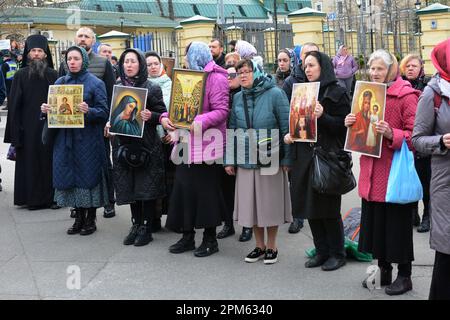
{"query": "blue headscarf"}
[(84, 56), (297, 53), (259, 76), (198, 55)]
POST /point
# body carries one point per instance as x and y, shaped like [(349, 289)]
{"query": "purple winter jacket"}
[(214, 115), (347, 69)]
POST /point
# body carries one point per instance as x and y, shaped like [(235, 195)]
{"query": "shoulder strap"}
[(247, 116), (437, 101)]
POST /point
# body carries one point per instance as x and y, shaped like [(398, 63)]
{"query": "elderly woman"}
[(345, 68), (140, 184), (412, 70), (386, 227), (197, 200), (231, 59), (79, 155), (431, 136), (321, 210), (262, 200)]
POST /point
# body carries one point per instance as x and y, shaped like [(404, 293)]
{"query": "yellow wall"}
[(307, 29), (431, 37)]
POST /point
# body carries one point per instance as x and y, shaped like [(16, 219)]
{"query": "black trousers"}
[(423, 168), (208, 233), (328, 237), (440, 282), (143, 212), (404, 269)]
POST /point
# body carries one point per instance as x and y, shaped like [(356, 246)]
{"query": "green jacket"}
[(268, 108)]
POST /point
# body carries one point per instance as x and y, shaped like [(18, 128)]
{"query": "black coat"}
[(33, 173), (297, 76), (306, 203), (146, 183)]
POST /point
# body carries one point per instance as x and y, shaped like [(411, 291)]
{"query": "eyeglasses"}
[(244, 73), (232, 75)]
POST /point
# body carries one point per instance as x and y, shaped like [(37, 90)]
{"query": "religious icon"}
[(186, 100), (369, 102), (64, 111), (302, 120), (126, 106)]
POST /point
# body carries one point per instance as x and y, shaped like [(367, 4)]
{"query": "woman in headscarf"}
[(157, 75), (139, 186), (197, 200), (79, 155), (413, 71), (286, 63), (321, 210), (345, 68), (124, 117), (248, 51), (262, 200), (431, 136), (386, 230)]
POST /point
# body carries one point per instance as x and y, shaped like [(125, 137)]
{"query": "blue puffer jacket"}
[(268, 109), (79, 155)]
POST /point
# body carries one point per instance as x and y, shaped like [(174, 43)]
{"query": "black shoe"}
[(399, 286), (416, 217), (385, 278), (1, 188), (155, 225), (144, 236), (129, 239), (109, 211), (315, 261), (271, 256), (296, 225), (425, 225), (79, 222), (73, 212), (333, 263), (186, 243), (226, 232), (246, 234), (54, 206), (207, 248), (89, 226), (255, 255)]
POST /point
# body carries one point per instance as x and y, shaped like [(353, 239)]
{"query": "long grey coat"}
[(429, 126)]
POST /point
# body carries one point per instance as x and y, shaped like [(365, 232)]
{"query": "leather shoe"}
[(399, 286), (425, 225), (186, 243), (296, 225), (206, 248), (226, 232), (333, 263), (385, 278), (246, 234), (315, 261), (109, 211)]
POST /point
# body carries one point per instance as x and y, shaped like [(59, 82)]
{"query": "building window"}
[(119, 8), (319, 6), (98, 7), (242, 11), (300, 5), (194, 7)]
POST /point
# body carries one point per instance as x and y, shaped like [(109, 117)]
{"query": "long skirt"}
[(386, 231), (261, 200), (197, 198), (440, 282)]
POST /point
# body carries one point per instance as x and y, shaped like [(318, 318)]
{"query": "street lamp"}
[(121, 23)]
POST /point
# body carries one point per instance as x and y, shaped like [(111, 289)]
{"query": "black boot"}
[(385, 278), (109, 211), (227, 230), (399, 286), (296, 225), (129, 239), (79, 221), (209, 244), (73, 212), (186, 243), (89, 226), (425, 224), (144, 236), (246, 234)]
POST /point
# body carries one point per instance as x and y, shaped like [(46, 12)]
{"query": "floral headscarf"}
[(198, 55), (245, 49)]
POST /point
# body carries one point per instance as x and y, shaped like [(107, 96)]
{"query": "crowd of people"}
[(86, 168)]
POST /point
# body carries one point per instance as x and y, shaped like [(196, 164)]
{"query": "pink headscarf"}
[(440, 56)]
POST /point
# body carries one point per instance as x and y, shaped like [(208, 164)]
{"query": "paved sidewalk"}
[(36, 252)]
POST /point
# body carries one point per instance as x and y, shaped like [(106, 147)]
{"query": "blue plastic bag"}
[(404, 184)]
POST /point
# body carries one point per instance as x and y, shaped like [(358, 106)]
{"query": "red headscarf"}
[(440, 56)]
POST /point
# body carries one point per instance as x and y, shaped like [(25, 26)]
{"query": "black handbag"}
[(133, 155), (331, 172)]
